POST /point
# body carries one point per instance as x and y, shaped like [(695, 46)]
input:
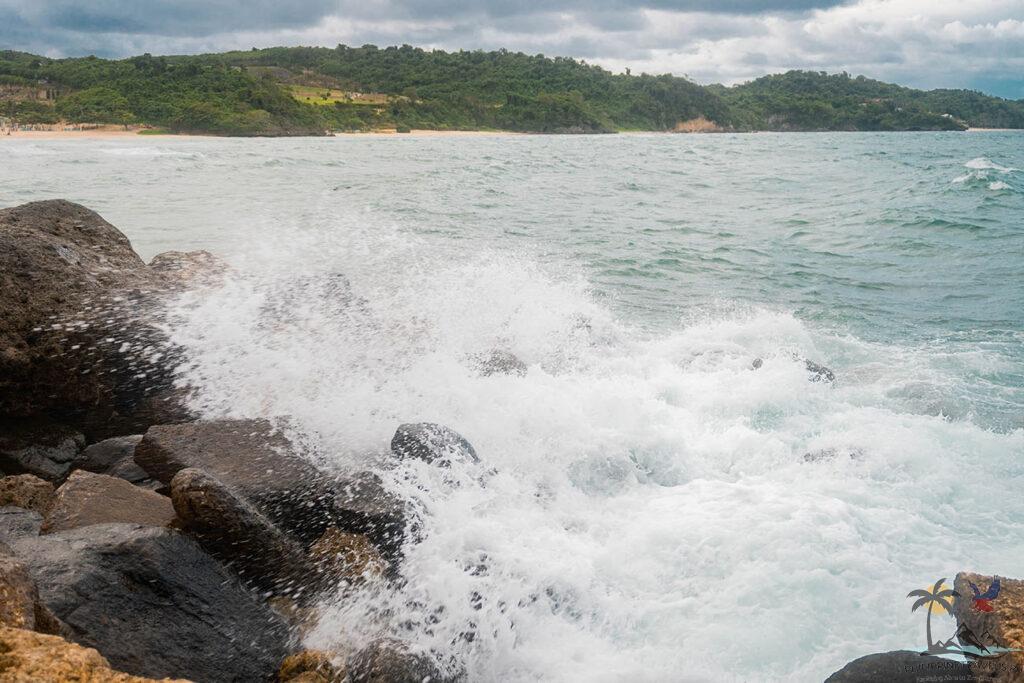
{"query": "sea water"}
[(648, 506)]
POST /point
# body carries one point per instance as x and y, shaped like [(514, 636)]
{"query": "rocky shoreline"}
[(138, 542)]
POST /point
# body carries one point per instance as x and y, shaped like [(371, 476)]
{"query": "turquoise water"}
[(651, 514)]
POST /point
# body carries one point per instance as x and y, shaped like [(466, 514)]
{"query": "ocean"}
[(649, 506)]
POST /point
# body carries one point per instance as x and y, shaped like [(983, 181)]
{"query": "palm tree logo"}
[(936, 599)]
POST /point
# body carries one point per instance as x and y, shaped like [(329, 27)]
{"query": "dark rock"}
[(102, 456), (37, 446), (74, 341), (432, 443), (18, 523), (390, 661), (235, 531), (256, 463), (26, 491), (87, 498), (757, 363), (819, 373), (154, 603), (363, 505), (900, 666), (501, 363)]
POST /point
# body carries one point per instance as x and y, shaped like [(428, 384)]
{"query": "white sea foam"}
[(983, 163), (643, 510)]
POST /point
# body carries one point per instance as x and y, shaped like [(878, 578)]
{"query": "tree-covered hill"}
[(304, 90)]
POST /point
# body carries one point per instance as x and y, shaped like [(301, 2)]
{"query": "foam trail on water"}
[(644, 509)]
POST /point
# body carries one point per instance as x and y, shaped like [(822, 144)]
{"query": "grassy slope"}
[(279, 91)]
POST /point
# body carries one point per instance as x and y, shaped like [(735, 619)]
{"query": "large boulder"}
[(432, 443), (235, 531), (258, 464), (901, 666), (28, 657), (26, 491), (154, 603), (87, 498), (74, 340), (38, 446)]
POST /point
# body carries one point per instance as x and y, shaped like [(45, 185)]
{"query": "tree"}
[(936, 597)]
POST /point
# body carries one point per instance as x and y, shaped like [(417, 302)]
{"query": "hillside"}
[(302, 91)]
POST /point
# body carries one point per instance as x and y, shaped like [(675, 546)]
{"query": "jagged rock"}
[(900, 666), (390, 661), (432, 443), (257, 464), (29, 657), (154, 603), (343, 556), (18, 523), (26, 491), (232, 529), (364, 506), (100, 457), (1002, 627), (311, 666), (38, 446), (819, 373), (87, 498), (499, 362), (18, 594), (74, 340)]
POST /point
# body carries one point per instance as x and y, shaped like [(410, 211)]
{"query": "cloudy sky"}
[(925, 43)]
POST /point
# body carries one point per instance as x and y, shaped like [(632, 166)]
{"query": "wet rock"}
[(501, 363), (363, 505), (189, 268), (87, 498), (998, 622), (390, 661), (235, 531), (101, 457), (18, 523), (311, 666), (830, 454), (29, 657), (432, 443), (341, 556), (38, 446), (900, 666), (154, 603), (819, 373), (757, 363), (26, 491), (75, 343), (256, 463)]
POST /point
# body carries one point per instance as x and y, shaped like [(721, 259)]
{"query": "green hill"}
[(303, 90)]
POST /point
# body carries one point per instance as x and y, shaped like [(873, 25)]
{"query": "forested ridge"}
[(305, 90)]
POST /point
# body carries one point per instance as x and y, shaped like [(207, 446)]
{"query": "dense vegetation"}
[(281, 91)]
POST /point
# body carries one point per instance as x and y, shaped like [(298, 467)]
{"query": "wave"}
[(981, 173), (644, 505)]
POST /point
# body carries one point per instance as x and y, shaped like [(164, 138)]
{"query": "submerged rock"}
[(188, 268), (38, 446), (501, 363), (258, 464), (87, 498), (432, 443), (75, 342), (29, 657), (363, 505), (341, 556), (819, 373), (26, 491), (235, 531), (390, 661), (900, 666), (154, 603)]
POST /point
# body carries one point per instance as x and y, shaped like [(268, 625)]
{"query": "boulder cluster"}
[(137, 542)]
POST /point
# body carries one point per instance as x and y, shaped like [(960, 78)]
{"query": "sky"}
[(975, 44)]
